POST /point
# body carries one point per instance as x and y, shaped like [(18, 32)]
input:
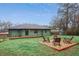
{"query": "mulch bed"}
[(60, 48)]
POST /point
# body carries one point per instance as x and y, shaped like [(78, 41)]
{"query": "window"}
[(35, 31), (45, 31)]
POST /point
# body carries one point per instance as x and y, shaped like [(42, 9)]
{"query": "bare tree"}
[(67, 18), (4, 25)]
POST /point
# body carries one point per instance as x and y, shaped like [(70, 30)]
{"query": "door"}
[(26, 32)]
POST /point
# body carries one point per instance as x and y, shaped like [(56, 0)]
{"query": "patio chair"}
[(48, 40), (57, 41), (68, 40), (44, 40)]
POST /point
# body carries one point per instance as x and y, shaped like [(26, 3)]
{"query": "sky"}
[(28, 13)]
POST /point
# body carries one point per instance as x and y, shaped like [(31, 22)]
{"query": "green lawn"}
[(32, 47)]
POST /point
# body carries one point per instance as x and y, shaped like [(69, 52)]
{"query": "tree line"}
[(67, 18), (5, 25)]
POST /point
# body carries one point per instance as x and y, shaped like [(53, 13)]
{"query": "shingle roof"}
[(29, 26)]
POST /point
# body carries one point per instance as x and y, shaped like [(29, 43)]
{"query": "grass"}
[(33, 47)]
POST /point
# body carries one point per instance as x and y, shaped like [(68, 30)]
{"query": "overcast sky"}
[(28, 13)]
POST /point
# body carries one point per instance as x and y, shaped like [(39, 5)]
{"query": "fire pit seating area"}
[(56, 40), (58, 43)]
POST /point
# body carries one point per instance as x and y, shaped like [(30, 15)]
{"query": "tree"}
[(67, 19), (4, 25)]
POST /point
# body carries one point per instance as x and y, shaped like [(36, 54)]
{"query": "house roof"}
[(29, 26)]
